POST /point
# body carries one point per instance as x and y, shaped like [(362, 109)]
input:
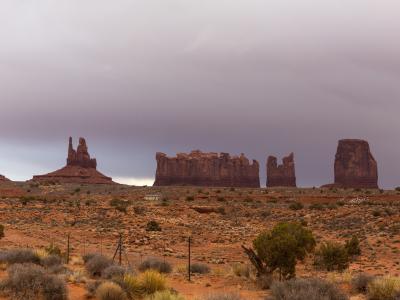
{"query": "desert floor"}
[(218, 220)]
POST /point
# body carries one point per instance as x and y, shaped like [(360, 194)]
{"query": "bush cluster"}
[(309, 289), (29, 281), (155, 264), (95, 264)]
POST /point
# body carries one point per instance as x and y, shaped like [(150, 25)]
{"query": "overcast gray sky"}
[(254, 76)]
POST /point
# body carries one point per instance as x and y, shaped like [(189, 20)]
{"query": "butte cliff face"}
[(80, 168), (355, 167), (206, 169), (281, 175)]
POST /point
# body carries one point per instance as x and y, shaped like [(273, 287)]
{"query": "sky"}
[(139, 76)]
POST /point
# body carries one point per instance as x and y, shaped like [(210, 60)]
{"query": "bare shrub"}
[(223, 296), (264, 281), (310, 289), (29, 281), (19, 256), (96, 264), (53, 288), (51, 261), (24, 281), (360, 282), (384, 288), (155, 264), (113, 271), (241, 270)]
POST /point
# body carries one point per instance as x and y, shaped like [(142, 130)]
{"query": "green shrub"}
[(280, 248), (352, 246), (332, 256), (131, 285), (296, 206), (1, 231), (153, 226), (110, 291), (199, 268), (155, 264), (120, 205), (376, 213), (316, 206), (306, 289), (152, 281), (53, 249), (189, 198), (384, 288)]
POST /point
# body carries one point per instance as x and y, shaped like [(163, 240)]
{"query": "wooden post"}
[(189, 250), (68, 236), (120, 249)]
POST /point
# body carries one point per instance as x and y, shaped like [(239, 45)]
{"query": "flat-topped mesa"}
[(355, 167), (283, 175), (206, 169), (80, 168), (81, 156)]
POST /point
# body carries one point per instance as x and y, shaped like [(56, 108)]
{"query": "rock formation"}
[(81, 156), (206, 169), (281, 175), (355, 167), (80, 168), (4, 179)]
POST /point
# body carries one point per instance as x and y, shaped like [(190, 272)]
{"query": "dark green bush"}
[(353, 246), (153, 226), (280, 248), (332, 256), (296, 206), (199, 268)]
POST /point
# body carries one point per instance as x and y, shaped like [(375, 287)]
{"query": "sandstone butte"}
[(355, 166), (283, 175), (206, 169), (80, 168)]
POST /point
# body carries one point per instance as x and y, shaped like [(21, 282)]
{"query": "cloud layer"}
[(253, 76)]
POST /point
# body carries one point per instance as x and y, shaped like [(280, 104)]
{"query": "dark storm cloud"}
[(259, 77)]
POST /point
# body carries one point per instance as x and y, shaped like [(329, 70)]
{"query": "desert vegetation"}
[(328, 238)]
